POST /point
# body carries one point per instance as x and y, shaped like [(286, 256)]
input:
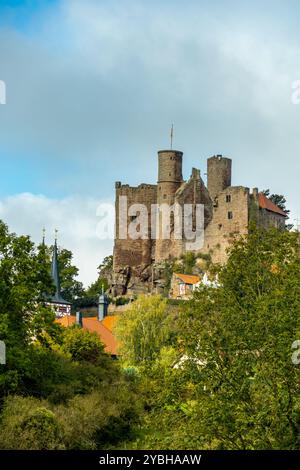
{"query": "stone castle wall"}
[(230, 219), (218, 174), (131, 257), (227, 212), (192, 192)]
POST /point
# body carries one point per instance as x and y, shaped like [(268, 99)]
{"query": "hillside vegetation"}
[(215, 372)]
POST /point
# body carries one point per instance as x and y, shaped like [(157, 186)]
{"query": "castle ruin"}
[(227, 212)]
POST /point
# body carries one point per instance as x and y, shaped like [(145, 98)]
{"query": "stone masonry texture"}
[(227, 212)]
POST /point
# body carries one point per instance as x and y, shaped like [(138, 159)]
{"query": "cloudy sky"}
[(92, 87)]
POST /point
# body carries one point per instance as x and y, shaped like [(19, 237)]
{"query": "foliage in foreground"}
[(143, 330), (212, 373), (234, 385), (90, 421), (58, 388), (238, 339)]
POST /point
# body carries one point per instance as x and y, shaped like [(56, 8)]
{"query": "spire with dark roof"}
[(54, 270), (57, 297)]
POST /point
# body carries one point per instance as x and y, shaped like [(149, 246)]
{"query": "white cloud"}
[(93, 90), (75, 217)]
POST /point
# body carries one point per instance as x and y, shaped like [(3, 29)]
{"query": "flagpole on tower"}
[(171, 136)]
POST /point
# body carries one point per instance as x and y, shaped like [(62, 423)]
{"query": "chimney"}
[(78, 320)]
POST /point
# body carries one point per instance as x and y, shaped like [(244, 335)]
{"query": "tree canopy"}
[(278, 199), (217, 370), (225, 379), (58, 388)]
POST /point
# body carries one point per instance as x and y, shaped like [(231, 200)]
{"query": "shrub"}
[(28, 423)]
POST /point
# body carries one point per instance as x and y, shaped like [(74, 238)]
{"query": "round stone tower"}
[(218, 174), (169, 175), (169, 180)]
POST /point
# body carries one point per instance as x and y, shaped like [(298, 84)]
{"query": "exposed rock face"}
[(121, 280)]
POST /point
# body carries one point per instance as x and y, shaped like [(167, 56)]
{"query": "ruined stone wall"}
[(227, 212), (218, 174), (269, 219), (131, 257), (263, 217), (230, 220), (192, 192), (175, 291)]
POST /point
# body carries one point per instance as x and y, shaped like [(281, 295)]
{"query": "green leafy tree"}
[(229, 381), (106, 266), (35, 425), (189, 260), (95, 289), (104, 273), (143, 329), (83, 345), (69, 393), (278, 199), (237, 343), (23, 315), (97, 420), (90, 296), (71, 288)]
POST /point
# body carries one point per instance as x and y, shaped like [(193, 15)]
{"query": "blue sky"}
[(93, 86)]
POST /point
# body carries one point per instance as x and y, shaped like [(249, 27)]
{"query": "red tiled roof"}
[(68, 320), (94, 325), (187, 278), (106, 336), (265, 203), (109, 321)]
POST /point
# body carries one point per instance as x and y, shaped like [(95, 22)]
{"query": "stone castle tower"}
[(218, 175), (169, 181), (227, 212)]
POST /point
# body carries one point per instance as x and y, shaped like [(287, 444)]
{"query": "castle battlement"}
[(227, 210)]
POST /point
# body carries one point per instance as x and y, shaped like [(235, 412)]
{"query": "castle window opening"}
[(228, 198), (172, 220), (230, 215)]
